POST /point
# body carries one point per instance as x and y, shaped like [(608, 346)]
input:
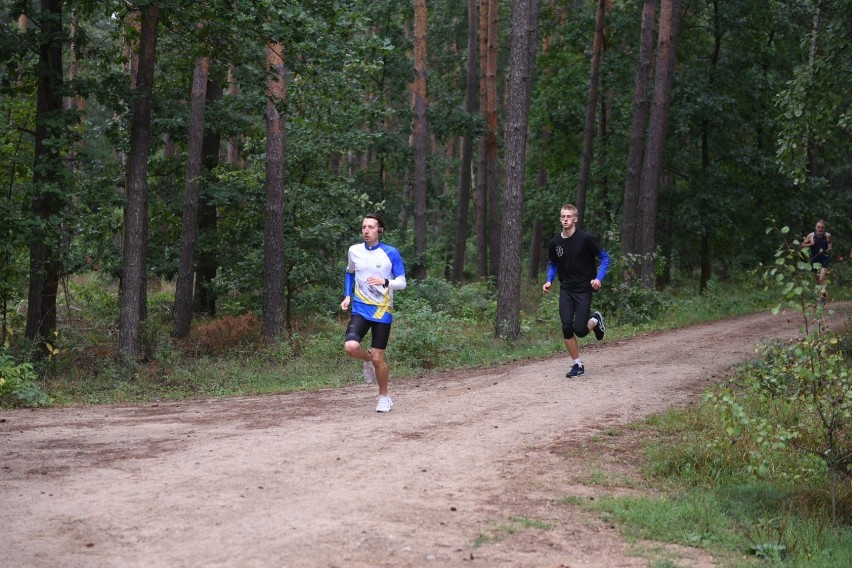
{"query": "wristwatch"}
[(387, 282)]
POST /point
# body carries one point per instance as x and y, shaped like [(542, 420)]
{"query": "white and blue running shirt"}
[(374, 303)]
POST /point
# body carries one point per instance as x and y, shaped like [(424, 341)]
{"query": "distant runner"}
[(373, 272), (573, 255), (820, 254)]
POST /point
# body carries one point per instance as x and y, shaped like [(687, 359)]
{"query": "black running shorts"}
[(359, 326)]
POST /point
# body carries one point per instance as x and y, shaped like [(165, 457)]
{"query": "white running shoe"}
[(385, 403), (369, 373)]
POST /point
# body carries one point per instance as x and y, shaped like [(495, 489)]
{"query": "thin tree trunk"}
[(641, 104), (467, 148), (492, 165), (233, 155), (189, 230), (47, 174), (481, 201), (591, 106), (525, 17), (207, 255), (136, 216), (74, 103), (273, 227), (169, 146), (537, 248), (706, 247), (649, 184), (810, 144), (420, 133), (667, 221)]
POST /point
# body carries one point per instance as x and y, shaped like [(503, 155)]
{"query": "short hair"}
[(378, 219), (569, 207)]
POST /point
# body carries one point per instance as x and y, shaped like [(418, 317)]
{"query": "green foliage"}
[(419, 337), (18, 383), (716, 498), (753, 520), (792, 274), (757, 464), (797, 397), (811, 114), (626, 302), (468, 302)]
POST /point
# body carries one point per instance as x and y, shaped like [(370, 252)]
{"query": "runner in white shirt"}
[(373, 272)]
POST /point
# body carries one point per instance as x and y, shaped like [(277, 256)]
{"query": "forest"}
[(230, 148)]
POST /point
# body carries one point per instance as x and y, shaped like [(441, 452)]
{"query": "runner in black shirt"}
[(573, 257)]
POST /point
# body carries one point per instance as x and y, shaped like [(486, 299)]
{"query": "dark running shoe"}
[(575, 371), (600, 328)]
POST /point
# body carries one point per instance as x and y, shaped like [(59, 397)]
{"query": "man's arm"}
[(551, 274)]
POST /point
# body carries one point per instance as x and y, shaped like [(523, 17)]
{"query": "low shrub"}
[(18, 384), (418, 336), (224, 334)]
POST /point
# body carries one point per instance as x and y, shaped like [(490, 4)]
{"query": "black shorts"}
[(575, 309), (359, 326), (822, 259)]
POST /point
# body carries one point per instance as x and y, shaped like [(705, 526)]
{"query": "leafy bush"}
[(436, 292), (93, 297), (631, 304), (799, 397), (623, 298), (470, 302), (477, 302), (418, 336), (17, 384)]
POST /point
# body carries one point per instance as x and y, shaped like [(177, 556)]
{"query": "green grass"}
[(734, 523), (713, 498), (512, 525)]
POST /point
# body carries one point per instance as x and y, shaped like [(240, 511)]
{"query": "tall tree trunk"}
[(810, 144), (649, 183), (233, 155), (467, 148), (74, 103), (641, 104), (273, 226), (706, 248), (207, 256), (189, 230), (591, 105), (666, 246), (47, 179), (481, 201), (492, 164), (420, 140), (133, 295), (525, 17)]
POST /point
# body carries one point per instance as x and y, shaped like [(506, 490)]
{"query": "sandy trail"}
[(320, 479)]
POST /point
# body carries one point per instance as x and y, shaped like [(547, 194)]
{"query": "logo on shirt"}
[(559, 251)]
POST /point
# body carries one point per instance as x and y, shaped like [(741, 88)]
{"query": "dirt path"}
[(468, 468)]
